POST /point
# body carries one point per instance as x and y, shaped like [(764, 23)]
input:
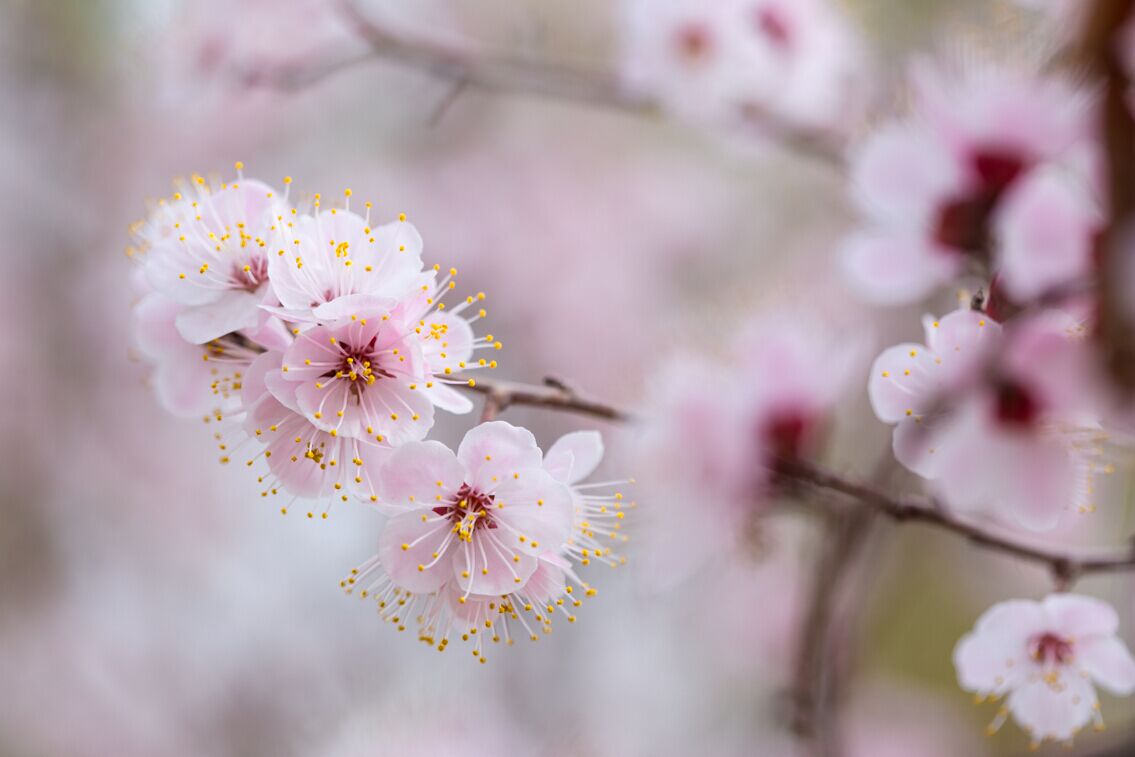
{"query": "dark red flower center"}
[(787, 433), (470, 507), (693, 41), (963, 222), (1016, 405), (770, 22), (1050, 648)]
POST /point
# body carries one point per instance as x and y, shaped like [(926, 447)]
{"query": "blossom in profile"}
[(999, 419), (762, 65), (1046, 659), (984, 168), (207, 249), (598, 512)]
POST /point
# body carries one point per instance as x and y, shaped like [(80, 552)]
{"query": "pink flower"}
[(717, 430), (336, 264), (479, 541), (597, 516), (363, 376), (304, 460), (1047, 230), (1047, 657), (996, 419), (208, 250), (481, 517), (746, 63), (955, 184)]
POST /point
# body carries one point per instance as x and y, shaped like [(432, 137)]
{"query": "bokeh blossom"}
[(757, 65), (991, 171), (720, 428)]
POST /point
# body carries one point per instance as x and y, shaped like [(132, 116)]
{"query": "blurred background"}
[(151, 603)]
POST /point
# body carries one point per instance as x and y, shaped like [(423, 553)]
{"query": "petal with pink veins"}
[(410, 478), (407, 549), (490, 565)]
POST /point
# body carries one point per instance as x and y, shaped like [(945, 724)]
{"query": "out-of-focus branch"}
[(465, 66), (553, 395), (1066, 567), (483, 70), (1102, 52), (814, 694)]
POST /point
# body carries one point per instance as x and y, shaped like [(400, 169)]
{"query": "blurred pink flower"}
[(1047, 231), (941, 188), (716, 430), (996, 419), (1046, 656), (763, 64)]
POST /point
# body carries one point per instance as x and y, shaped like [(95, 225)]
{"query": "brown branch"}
[(1102, 52), (1065, 567), (554, 395)]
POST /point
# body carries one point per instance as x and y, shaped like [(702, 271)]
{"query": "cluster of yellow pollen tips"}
[(476, 620), (204, 226), (297, 443), (598, 523)]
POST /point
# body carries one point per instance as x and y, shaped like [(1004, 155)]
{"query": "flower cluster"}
[(1002, 408), (317, 337), (757, 65)]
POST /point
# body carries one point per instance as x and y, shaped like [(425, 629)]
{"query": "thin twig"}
[(492, 72), (554, 395), (814, 695), (1065, 567)]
